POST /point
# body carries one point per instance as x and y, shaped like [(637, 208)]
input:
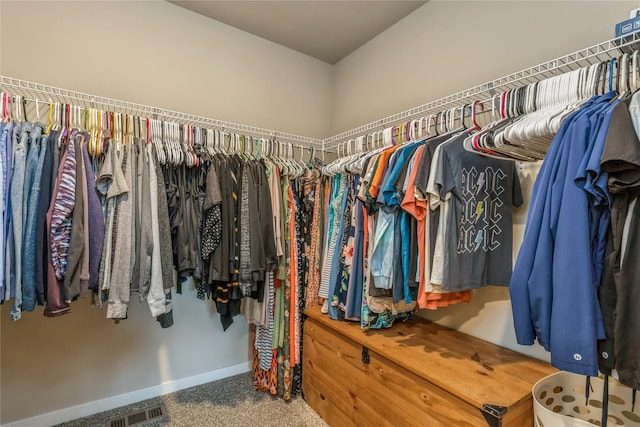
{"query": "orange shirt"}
[(383, 162)]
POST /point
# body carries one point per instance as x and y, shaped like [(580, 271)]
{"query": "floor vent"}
[(137, 417)]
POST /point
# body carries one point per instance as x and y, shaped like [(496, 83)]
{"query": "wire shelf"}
[(45, 93), (483, 92)]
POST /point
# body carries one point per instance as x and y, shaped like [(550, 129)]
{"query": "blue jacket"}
[(554, 283)]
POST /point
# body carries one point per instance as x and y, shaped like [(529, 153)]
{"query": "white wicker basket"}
[(559, 401)]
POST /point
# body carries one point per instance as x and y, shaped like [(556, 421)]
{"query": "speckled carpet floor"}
[(228, 402)]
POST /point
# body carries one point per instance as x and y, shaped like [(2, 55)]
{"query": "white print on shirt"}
[(479, 229)]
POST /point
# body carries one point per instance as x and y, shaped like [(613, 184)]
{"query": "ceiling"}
[(327, 30)]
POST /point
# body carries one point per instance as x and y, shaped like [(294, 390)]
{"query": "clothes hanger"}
[(612, 61), (94, 132), (286, 156), (7, 108), (179, 151), (275, 156), (252, 145), (634, 71), (395, 135), (259, 149), (191, 146), (154, 136), (451, 119), (412, 130), (225, 143), (354, 154), (501, 143), (148, 137), (208, 141), (166, 135), (183, 144), (107, 132), (333, 167), (478, 142), (312, 154), (422, 128), (357, 162), (196, 146), (623, 76), (300, 162), (76, 117), (559, 96), (175, 144), (311, 173), (248, 147), (164, 139), (431, 121), (446, 122), (258, 143), (346, 152), (340, 167), (408, 131), (283, 153), (302, 166), (269, 152), (86, 122), (4, 107), (16, 107), (437, 123), (62, 127), (71, 117), (172, 156), (50, 118), (336, 166), (474, 115), (298, 170), (97, 118), (215, 140), (240, 141), (368, 146)]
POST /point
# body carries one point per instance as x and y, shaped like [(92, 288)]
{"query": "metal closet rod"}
[(483, 92), (38, 91)]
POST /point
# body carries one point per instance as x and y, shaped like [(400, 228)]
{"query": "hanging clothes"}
[(425, 224), (556, 250)]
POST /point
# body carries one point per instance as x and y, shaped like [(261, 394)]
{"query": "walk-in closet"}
[(312, 213)]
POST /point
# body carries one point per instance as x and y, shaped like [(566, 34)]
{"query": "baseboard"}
[(101, 405)]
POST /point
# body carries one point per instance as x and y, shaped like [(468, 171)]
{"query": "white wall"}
[(159, 54), (448, 46)]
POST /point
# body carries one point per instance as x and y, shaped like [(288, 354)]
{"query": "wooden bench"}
[(414, 374)]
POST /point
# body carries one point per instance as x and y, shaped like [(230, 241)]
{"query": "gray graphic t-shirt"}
[(479, 234)]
